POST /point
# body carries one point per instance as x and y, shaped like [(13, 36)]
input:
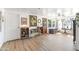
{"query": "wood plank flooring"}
[(45, 42)]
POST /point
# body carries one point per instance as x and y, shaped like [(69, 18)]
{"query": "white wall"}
[(2, 34), (2, 27), (13, 21)]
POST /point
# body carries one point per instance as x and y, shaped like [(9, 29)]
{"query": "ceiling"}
[(44, 11)]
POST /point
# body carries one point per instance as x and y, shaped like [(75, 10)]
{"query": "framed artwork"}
[(44, 21), (23, 20), (33, 20), (33, 31), (77, 19), (49, 23), (53, 23), (77, 16)]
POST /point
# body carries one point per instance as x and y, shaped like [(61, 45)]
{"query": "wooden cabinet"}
[(24, 33), (52, 31), (40, 29), (44, 30), (44, 22)]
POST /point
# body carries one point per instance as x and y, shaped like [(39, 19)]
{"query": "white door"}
[(12, 26)]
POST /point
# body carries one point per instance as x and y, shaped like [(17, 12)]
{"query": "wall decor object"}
[(44, 21), (77, 19), (23, 21), (39, 20), (33, 31), (53, 23), (33, 20), (49, 23), (77, 16)]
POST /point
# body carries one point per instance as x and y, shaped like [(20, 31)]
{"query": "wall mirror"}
[(39, 20)]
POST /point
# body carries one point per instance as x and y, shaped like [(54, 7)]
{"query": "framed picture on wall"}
[(53, 23), (77, 19), (49, 23), (44, 21), (33, 20), (77, 16), (23, 21)]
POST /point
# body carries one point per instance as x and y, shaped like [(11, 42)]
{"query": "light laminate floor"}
[(45, 42)]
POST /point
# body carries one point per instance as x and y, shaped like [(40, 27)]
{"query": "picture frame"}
[(53, 23), (44, 21), (33, 20), (23, 21), (49, 23), (77, 19)]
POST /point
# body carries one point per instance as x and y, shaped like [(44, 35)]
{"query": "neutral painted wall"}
[(2, 27), (2, 34), (13, 22), (13, 16)]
